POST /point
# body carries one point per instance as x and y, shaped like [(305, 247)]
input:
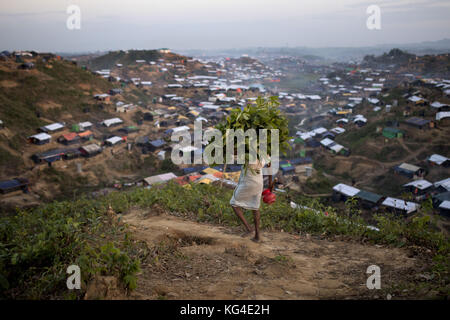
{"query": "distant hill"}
[(429, 65), (112, 58), (332, 53), (395, 56)]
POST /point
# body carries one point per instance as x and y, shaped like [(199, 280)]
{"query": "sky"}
[(217, 24)]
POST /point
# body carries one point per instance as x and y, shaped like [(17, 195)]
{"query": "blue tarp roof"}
[(8, 184), (234, 167), (287, 169), (313, 143), (51, 153), (194, 169), (157, 143), (300, 160)]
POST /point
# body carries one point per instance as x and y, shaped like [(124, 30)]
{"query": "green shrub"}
[(38, 245)]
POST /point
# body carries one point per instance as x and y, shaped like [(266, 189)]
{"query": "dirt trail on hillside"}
[(215, 262)]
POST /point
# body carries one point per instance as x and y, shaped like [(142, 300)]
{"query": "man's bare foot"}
[(256, 239)]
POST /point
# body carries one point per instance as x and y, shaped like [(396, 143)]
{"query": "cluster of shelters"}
[(370, 200), (421, 189), (53, 155), (322, 137)]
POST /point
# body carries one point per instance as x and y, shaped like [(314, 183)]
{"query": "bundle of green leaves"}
[(262, 114)]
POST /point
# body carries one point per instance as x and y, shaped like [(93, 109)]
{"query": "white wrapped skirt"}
[(247, 193)]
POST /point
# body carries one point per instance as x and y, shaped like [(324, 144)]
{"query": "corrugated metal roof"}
[(400, 204), (420, 184)]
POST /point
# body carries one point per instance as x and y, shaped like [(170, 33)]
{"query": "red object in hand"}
[(268, 196)]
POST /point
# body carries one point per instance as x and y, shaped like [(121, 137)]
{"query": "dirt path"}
[(214, 262)]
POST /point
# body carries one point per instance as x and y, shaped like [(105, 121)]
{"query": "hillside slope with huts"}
[(85, 145)]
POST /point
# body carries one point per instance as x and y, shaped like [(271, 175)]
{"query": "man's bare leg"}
[(256, 218), (240, 215)]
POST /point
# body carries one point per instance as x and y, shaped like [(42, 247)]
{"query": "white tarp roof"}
[(306, 135), (409, 167), (160, 178), (85, 124), (114, 140), (360, 117), (179, 129), (112, 121), (415, 99), (442, 115), (346, 190), (420, 184), (443, 183), (319, 130), (326, 142), (337, 147), (338, 130), (437, 104), (53, 126), (437, 158), (400, 204), (445, 205), (41, 136)]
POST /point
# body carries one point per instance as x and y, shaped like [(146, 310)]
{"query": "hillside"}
[(173, 242), (52, 91), (125, 58), (428, 65), (56, 90), (147, 238), (147, 65)]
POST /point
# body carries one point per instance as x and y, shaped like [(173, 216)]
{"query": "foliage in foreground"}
[(210, 203), (37, 246)]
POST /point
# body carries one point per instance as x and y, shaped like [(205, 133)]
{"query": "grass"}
[(11, 162), (318, 184), (37, 245), (391, 153)]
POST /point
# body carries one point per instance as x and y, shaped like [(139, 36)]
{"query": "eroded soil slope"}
[(190, 260)]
